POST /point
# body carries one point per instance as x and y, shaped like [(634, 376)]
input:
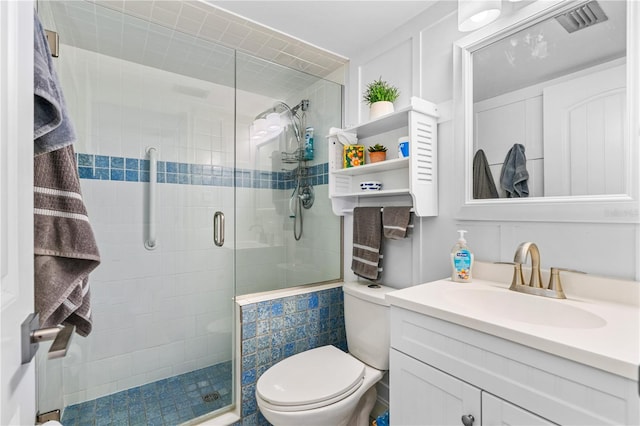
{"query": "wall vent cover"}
[(582, 17)]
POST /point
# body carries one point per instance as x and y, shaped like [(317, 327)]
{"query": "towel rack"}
[(381, 210), (32, 334), (150, 243)]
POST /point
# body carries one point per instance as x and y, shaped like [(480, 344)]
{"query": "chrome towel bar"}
[(151, 243)]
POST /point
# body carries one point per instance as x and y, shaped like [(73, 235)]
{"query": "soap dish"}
[(371, 185)]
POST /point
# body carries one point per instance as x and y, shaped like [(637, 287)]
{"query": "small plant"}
[(379, 90), (378, 148)]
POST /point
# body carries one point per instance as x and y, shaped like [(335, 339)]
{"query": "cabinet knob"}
[(467, 420)]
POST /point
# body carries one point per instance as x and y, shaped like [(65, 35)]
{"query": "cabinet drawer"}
[(421, 395)]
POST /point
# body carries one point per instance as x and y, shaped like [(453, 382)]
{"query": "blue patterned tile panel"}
[(104, 167), (279, 328)]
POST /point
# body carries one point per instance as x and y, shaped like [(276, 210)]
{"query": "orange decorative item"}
[(353, 156), (377, 156), (377, 153)]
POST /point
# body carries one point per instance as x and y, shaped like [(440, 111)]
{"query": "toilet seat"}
[(310, 379)]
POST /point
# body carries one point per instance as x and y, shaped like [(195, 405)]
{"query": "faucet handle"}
[(518, 277), (554, 279)]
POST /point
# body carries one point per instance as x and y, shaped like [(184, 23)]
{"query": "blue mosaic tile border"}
[(104, 167), (276, 329), (165, 402)]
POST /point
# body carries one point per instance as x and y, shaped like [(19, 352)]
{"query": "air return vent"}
[(582, 17)]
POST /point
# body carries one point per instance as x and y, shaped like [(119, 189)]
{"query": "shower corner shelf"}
[(293, 157), (412, 180)]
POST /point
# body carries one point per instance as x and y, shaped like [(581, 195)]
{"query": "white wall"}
[(425, 46)]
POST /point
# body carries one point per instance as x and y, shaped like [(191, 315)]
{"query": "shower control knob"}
[(467, 420)]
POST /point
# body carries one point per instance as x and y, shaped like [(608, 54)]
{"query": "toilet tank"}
[(366, 318)]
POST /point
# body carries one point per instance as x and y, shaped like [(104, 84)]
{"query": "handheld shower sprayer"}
[(303, 193)]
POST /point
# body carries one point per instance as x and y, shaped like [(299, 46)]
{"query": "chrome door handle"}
[(218, 229)]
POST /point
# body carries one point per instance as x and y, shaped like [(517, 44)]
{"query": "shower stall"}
[(162, 347)]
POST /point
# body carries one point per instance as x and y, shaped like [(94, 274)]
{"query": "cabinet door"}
[(496, 411), (422, 395)]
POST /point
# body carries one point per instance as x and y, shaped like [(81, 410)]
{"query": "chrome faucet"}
[(554, 289)]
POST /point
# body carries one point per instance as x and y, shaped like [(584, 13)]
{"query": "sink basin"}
[(525, 308)]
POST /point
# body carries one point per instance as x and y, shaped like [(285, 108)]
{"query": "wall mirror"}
[(546, 113)]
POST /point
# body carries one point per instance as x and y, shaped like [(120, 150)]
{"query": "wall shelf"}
[(396, 163), (405, 181), (381, 193)]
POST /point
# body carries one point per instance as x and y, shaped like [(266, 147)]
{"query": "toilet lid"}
[(310, 377)]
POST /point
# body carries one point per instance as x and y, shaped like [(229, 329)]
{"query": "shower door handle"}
[(218, 229)]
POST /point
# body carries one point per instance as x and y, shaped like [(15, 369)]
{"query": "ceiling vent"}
[(582, 17)]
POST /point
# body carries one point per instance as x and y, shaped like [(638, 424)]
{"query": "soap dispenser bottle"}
[(461, 260)]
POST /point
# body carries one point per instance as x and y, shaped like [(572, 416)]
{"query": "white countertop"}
[(611, 345)]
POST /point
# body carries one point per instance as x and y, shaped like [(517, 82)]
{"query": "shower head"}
[(280, 107)]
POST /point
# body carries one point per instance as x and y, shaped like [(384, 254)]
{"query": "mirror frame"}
[(616, 208)]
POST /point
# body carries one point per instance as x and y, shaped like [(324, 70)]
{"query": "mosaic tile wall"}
[(104, 167), (276, 329)]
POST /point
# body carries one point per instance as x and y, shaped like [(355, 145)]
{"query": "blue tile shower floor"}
[(166, 402)]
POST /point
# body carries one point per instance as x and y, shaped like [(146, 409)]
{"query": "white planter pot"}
[(380, 108)]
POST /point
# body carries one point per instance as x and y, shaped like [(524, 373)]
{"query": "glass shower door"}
[(161, 348)]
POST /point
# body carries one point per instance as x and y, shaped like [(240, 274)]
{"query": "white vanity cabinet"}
[(441, 371), (422, 395), (405, 181)]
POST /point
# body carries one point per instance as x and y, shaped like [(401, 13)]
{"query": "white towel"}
[(345, 138)]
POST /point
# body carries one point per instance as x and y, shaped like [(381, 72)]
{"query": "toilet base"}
[(363, 409)]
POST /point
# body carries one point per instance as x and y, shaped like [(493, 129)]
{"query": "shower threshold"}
[(165, 402)]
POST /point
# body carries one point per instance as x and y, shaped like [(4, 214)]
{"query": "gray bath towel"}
[(395, 221), (64, 245), (52, 128), (514, 175), (367, 231), (483, 183)]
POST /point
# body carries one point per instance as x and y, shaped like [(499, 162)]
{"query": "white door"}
[(584, 134), (16, 208)]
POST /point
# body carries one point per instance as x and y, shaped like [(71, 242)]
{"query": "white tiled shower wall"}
[(164, 312)]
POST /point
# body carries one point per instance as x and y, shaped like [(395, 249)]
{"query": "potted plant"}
[(377, 153), (380, 96)]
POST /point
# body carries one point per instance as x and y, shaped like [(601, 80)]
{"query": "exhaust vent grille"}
[(582, 17)]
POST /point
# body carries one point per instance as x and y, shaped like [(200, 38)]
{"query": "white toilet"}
[(325, 386)]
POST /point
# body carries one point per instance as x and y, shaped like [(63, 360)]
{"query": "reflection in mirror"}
[(549, 107)]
